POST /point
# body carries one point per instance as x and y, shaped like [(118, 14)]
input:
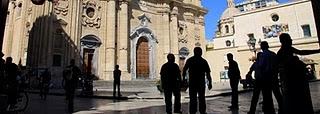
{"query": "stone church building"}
[(99, 34), (243, 26)]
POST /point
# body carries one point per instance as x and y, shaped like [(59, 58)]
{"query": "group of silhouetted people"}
[(8, 77), (198, 70), (282, 74)]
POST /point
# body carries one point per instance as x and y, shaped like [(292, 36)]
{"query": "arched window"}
[(227, 28)]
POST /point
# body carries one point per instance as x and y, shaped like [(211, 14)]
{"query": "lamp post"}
[(252, 45)]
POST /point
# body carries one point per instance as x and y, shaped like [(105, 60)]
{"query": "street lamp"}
[(252, 46)]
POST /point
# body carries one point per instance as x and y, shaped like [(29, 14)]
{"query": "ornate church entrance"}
[(89, 54), (142, 58)]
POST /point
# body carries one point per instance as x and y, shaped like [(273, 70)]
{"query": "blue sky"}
[(216, 8)]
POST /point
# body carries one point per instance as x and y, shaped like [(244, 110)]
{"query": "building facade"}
[(135, 34), (243, 26)]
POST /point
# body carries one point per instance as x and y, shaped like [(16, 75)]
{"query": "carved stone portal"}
[(90, 14)]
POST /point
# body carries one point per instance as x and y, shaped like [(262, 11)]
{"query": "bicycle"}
[(22, 100)]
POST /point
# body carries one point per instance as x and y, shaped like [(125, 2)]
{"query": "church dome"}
[(229, 12)]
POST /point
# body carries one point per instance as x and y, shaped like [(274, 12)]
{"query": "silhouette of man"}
[(170, 79), (268, 68), (257, 88), (296, 91), (116, 81), (234, 75), (269, 65), (198, 69), (11, 70), (71, 75), (2, 78), (45, 79)]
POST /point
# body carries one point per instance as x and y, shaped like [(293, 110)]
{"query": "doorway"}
[(87, 60), (142, 59)]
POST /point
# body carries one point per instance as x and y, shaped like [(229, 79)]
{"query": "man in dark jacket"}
[(198, 71), (234, 76), (11, 72), (116, 81), (170, 79), (71, 75)]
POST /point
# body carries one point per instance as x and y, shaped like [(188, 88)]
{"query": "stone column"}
[(123, 39), (110, 40), (3, 15), (174, 43)]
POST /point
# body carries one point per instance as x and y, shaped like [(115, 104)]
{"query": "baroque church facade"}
[(137, 35), (244, 25)]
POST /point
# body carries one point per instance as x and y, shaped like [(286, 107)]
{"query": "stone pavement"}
[(144, 90), (215, 105)]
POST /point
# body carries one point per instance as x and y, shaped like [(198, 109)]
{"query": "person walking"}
[(116, 81), (71, 74), (171, 80), (257, 87), (45, 79), (234, 75), (295, 86), (198, 71)]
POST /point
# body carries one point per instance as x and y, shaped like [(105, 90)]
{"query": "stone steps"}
[(125, 84)]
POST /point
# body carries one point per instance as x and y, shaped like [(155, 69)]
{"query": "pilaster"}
[(174, 31), (123, 38), (110, 41)]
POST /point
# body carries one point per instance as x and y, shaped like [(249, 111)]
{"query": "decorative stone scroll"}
[(182, 33), (61, 7), (90, 15)]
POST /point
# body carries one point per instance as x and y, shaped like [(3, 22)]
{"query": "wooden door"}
[(87, 60), (142, 59)]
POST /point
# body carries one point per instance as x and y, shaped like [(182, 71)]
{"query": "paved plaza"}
[(215, 105)]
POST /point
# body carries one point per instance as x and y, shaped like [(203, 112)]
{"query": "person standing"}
[(295, 86), (2, 76), (269, 72), (171, 79), (45, 79), (71, 74), (116, 81), (11, 72), (198, 71), (234, 75)]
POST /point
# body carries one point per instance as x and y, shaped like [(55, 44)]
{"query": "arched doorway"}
[(142, 58), (89, 53)]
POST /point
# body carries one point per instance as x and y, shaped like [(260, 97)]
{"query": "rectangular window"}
[(257, 5), (58, 41), (263, 3), (241, 8), (306, 30), (251, 36), (56, 60)]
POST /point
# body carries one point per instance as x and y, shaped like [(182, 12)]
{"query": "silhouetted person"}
[(11, 72), (71, 74), (2, 77), (296, 92), (116, 81), (45, 79), (171, 79), (234, 76), (258, 87), (198, 71), (268, 66)]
